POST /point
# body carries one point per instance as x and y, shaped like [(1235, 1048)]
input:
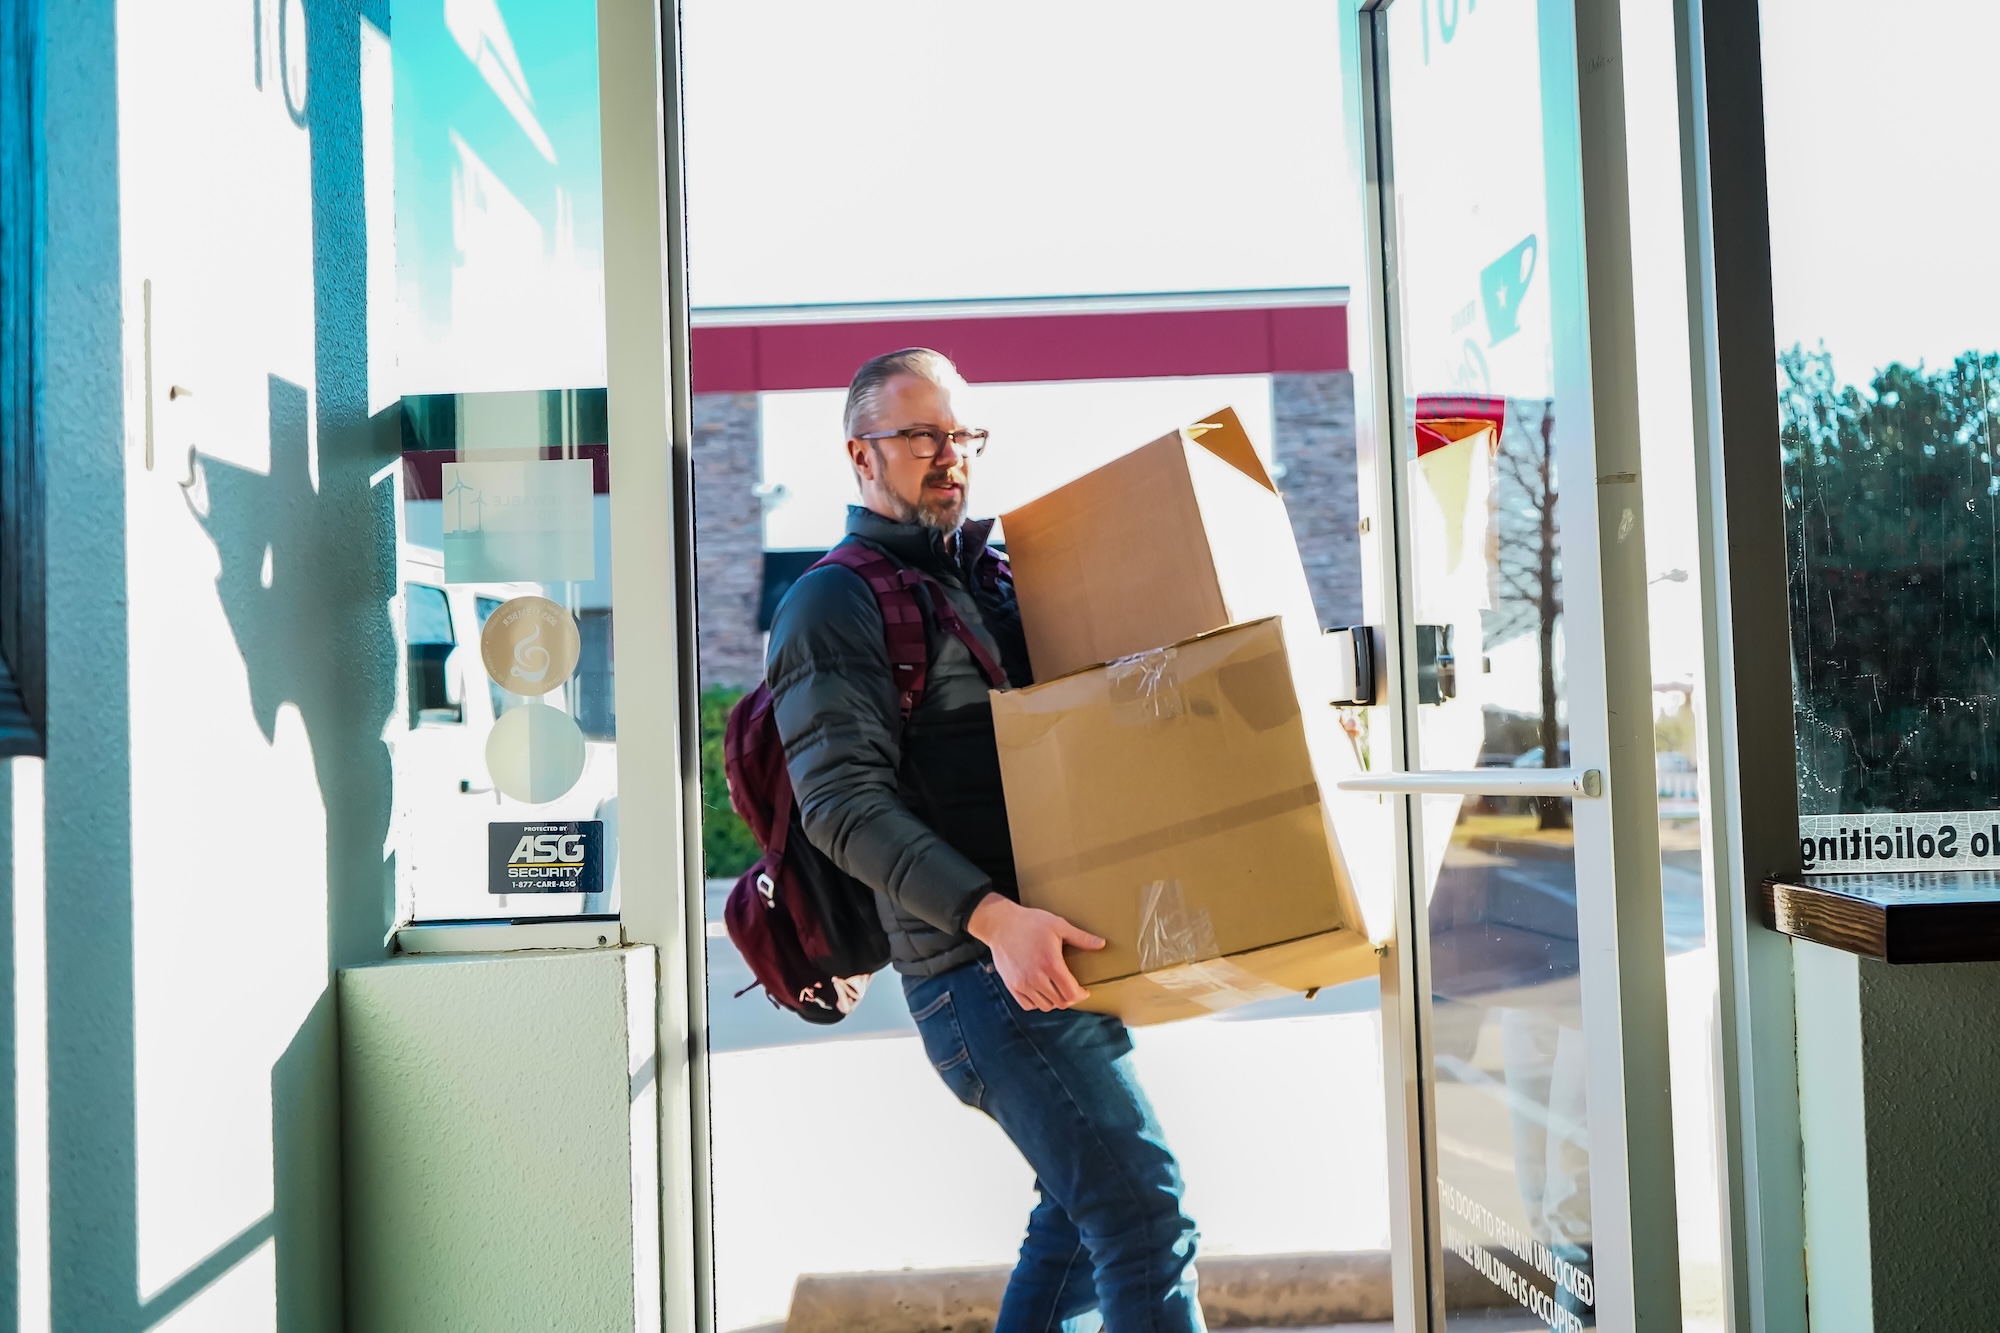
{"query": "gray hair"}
[(864, 395)]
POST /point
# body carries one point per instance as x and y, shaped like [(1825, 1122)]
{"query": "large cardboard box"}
[(1168, 802), (1181, 536)]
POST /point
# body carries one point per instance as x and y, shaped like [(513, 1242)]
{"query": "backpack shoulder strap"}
[(949, 620), (895, 587), (902, 617)]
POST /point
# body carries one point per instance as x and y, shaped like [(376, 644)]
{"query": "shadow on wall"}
[(307, 574)]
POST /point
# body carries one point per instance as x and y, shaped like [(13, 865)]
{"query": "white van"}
[(445, 799)]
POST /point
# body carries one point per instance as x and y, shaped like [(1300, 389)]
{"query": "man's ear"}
[(863, 463)]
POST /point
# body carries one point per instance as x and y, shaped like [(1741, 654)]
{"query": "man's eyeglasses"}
[(925, 441)]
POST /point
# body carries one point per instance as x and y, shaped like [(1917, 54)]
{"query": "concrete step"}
[(1240, 1292), (1324, 1328)]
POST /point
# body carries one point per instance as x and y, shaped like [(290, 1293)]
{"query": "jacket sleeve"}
[(828, 670)]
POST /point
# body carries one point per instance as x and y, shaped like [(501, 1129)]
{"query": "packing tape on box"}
[(1217, 983), (1172, 835), (1143, 688), (1178, 951), (1171, 932)]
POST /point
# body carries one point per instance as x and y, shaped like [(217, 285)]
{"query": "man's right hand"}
[(1027, 945)]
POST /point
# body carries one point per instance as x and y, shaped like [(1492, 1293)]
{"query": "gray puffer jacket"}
[(915, 812)]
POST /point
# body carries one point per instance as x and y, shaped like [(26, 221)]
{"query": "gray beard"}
[(946, 523)]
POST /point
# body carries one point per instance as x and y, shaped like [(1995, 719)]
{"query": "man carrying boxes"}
[(916, 811)]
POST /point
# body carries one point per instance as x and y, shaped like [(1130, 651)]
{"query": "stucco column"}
[(499, 1121), (1313, 429), (728, 538)]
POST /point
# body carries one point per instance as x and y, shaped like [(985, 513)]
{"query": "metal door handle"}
[(1482, 782)]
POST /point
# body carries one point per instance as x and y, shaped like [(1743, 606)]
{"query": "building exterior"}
[(1297, 338)]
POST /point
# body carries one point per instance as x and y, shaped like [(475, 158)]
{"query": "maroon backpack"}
[(809, 930)]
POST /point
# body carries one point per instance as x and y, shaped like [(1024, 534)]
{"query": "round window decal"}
[(534, 753), (530, 645)]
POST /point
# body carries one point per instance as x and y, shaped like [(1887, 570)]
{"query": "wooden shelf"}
[(1912, 917)]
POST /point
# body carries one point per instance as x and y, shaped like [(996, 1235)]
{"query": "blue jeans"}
[(1108, 1234)]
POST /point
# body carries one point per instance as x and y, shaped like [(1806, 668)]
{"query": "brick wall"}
[(729, 538), (1313, 422)]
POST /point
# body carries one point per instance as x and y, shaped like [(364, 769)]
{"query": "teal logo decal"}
[(1502, 284)]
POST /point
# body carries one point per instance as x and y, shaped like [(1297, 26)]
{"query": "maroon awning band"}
[(1029, 348)]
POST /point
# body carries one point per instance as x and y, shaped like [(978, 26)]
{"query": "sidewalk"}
[(1279, 1125), (822, 1138)]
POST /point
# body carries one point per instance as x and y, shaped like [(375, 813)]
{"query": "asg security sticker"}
[(550, 857)]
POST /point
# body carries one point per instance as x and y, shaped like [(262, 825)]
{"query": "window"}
[(504, 512), (1888, 393), (434, 694)]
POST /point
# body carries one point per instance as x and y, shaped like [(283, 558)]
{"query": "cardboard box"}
[(1168, 802), (1181, 536)]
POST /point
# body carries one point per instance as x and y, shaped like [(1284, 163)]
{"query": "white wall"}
[(228, 824), (221, 655)]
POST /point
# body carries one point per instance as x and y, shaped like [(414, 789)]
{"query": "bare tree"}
[(1530, 570)]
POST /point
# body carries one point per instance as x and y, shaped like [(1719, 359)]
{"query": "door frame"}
[(650, 420), (1416, 1259), (1606, 634), (1744, 699)]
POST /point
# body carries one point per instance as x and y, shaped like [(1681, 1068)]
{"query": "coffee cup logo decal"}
[(531, 660), (1502, 284), (530, 645)]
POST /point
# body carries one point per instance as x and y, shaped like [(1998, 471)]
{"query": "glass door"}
[(1533, 984)]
